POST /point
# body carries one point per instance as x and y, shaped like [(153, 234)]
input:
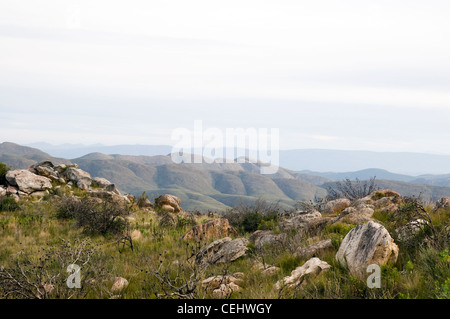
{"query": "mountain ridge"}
[(214, 186)]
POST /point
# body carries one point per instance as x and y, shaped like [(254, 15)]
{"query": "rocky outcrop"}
[(164, 202), (366, 245), (311, 268), (260, 238), (213, 229), (222, 251), (314, 249), (37, 182), (336, 206), (28, 182)]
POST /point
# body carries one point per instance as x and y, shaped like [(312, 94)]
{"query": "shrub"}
[(102, 218), (8, 204), (44, 276), (249, 218), (352, 190), (3, 170)]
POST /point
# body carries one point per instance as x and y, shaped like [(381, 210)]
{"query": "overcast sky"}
[(356, 75)]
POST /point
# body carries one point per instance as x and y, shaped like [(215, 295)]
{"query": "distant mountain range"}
[(316, 160), (219, 186)]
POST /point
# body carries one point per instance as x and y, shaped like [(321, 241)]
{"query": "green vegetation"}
[(111, 241), (251, 217), (8, 204), (3, 170)]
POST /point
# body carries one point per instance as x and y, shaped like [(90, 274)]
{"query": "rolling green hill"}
[(199, 186)]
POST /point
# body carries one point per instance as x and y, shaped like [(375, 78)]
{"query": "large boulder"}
[(213, 229), (311, 268), (222, 251), (365, 245), (168, 200), (336, 206), (27, 181), (265, 237), (79, 177)]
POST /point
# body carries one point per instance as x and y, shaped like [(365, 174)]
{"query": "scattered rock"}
[(224, 291), (105, 184), (213, 229), (381, 193), (40, 194), (336, 206), (222, 251), (314, 249), (443, 203), (136, 235), (311, 268), (215, 282), (222, 286), (167, 209), (302, 220), (265, 270), (11, 190), (411, 230), (144, 203), (2, 191), (168, 200), (119, 285), (266, 237), (356, 215), (366, 245), (27, 181), (271, 271)]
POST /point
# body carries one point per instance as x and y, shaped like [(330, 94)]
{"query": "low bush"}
[(8, 204), (102, 218), (252, 217)]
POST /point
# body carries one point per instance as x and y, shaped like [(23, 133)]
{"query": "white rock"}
[(365, 245), (312, 267), (27, 181)]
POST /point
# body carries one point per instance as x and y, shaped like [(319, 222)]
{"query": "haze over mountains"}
[(219, 186), (316, 160)]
